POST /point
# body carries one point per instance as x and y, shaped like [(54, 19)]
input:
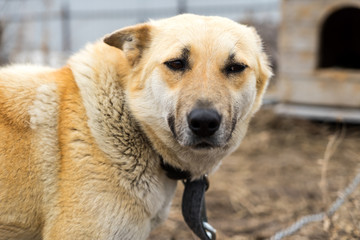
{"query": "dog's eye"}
[(235, 68), (176, 65)]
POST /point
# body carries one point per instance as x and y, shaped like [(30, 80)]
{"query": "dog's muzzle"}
[(200, 130)]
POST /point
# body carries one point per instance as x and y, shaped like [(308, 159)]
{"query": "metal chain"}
[(320, 216)]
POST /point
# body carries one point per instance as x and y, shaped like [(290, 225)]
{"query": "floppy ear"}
[(264, 74), (131, 40), (264, 69)]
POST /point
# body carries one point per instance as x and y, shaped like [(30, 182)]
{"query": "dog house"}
[(319, 61)]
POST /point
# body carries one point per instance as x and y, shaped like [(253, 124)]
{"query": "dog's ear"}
[(131, 40), (264, 69), (264, 72)]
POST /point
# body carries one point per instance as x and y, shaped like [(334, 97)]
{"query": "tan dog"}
[(80, 146)]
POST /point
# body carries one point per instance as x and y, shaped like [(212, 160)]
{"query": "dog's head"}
[(195, 82)]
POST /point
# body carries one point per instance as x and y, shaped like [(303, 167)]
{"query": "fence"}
[(57, 26)]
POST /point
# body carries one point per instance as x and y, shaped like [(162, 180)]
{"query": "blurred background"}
[(302, 148), (45, 30)]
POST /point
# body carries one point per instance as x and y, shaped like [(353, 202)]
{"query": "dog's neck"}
[(115, 130)]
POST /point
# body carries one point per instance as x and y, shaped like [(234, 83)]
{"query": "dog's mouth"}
[(203, 146)]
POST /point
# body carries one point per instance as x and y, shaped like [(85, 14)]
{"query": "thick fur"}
[(80, 146)]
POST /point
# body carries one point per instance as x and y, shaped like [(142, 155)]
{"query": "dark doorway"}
[(340, 40)]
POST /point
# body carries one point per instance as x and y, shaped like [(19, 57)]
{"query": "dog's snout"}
[(204, 122)]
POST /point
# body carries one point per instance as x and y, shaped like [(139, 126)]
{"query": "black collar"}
[(193, 201), (174, 172)]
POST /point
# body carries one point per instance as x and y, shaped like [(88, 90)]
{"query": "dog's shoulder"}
[(21, 86), (18, 87)]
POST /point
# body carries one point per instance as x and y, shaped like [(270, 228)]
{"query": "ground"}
[(284, 169)]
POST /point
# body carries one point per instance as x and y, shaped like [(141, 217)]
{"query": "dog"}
[(81, 146)]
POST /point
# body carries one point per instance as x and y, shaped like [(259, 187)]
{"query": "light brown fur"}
[(80, 146)]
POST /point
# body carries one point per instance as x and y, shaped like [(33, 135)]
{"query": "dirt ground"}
[(284, 169)]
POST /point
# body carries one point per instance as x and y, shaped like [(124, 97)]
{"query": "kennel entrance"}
[(340, 40), (319, 59)]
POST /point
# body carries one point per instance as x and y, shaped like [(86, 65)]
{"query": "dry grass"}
[(331, 148), (276, 177)]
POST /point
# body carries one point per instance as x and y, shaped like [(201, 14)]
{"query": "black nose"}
[(204, 122)]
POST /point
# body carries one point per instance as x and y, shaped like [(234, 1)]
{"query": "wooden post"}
[(65, 27), (181, 6)]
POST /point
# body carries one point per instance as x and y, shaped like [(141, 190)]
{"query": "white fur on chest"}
[(159, 200)]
